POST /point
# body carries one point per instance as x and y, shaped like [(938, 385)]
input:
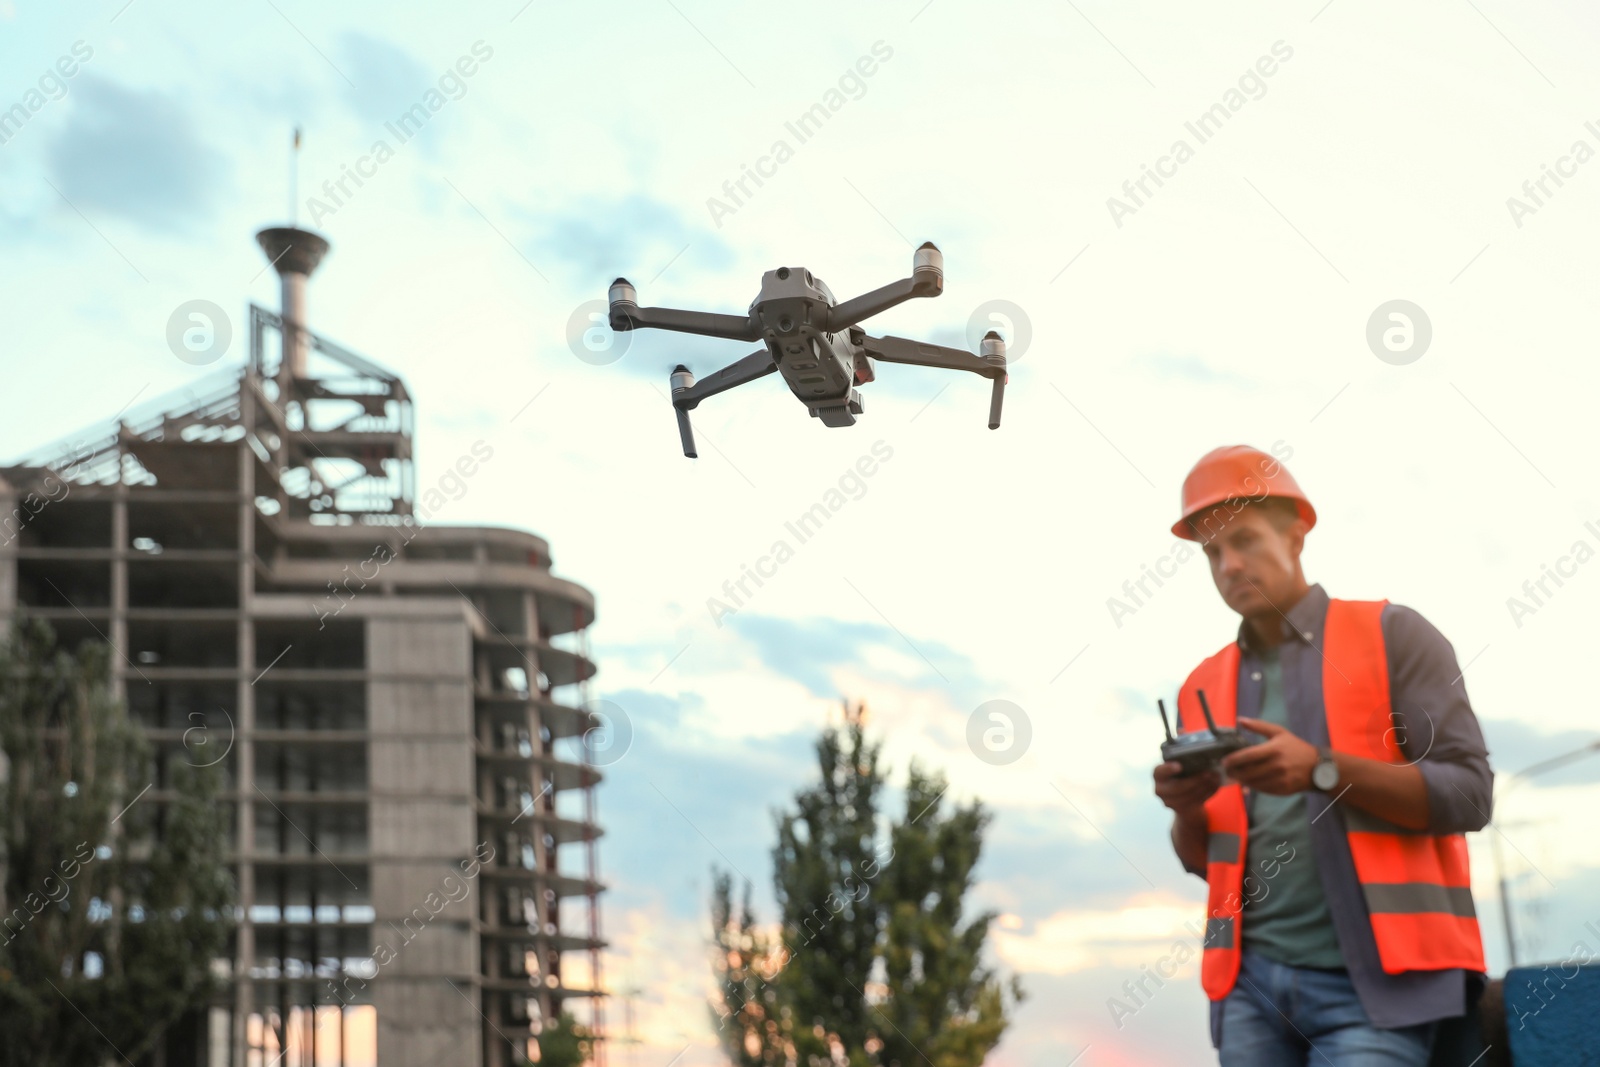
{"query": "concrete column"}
[(244, 755), (119, 592)]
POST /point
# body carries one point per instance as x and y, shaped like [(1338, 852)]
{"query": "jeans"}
[(1282, 1016)]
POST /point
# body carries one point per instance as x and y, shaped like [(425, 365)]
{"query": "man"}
[(1340, 927)]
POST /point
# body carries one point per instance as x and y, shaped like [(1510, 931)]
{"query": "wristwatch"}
[(1325, 775)]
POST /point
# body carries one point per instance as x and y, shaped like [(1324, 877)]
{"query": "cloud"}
[(661, 967), (1126, 935), (1068, 1015), (387, 79), (136, 155), (811, 651), (1515, 746), (807, 651), (694, 800), (636, 236)]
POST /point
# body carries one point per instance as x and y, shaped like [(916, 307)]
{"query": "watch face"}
[(1325, 775)]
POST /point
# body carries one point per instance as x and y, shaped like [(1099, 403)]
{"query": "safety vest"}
[(1417, 885)]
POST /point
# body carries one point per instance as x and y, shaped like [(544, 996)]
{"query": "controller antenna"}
[(1205, 708), (1165, 725)]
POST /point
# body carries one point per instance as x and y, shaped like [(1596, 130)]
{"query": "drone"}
[(812, 340)]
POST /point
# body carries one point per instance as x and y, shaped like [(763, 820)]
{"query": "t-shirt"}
[(1286, 915)]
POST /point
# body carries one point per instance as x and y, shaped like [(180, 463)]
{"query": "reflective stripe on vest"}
[(1417, 885)]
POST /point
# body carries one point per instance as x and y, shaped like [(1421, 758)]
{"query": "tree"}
[(871, 964), (563, 1042), (943, 1004), (753, 1028), (111, 909)]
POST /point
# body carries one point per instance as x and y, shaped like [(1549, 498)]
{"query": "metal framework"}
[(199, 534)]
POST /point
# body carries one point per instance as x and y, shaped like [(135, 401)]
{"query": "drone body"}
[(813, 341)]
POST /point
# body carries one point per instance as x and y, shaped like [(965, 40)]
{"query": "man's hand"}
[(1185, 796), (1280, 765)]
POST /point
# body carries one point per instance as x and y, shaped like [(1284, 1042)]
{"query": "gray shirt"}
[(1434, 728)]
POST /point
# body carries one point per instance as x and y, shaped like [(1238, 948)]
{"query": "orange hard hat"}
[(1237, 472)]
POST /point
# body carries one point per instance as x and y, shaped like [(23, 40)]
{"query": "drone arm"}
[(869, 304), (927, 279), (626, 314), (902, 350), (705, 323), (992, 364), (687, 393), (757, 364)]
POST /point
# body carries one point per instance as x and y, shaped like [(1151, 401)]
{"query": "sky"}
[(1369, 154)]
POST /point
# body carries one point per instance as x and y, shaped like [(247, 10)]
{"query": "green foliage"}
[(872, 964), (101, 950), (563, 1042), (943, 1004), (751, 1026)]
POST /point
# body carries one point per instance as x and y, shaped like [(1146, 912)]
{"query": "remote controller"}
[(1202, 750)]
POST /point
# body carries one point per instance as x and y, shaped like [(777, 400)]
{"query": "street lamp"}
[(1516, 779)]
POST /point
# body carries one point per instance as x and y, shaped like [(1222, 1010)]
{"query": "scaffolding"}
[(193, 533)]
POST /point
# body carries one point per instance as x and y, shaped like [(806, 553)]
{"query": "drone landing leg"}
[(687, 393), (990, 364), (686, 432)]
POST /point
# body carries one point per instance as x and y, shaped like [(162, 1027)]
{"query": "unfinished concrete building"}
[(398, 705)]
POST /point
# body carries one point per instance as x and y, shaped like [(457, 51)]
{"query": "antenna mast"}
[(294, 180)]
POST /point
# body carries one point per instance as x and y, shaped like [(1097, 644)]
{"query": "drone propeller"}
[(927, 279)]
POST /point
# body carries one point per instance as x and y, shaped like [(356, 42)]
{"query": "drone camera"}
[(624, 299)]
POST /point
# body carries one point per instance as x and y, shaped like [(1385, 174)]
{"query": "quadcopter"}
[(812, 340)]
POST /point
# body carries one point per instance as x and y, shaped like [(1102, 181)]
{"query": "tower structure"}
[(398, 706)]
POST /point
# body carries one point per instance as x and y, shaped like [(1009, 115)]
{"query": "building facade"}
[(398, 706)]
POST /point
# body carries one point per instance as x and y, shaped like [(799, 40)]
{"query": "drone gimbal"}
[(814, 341)]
